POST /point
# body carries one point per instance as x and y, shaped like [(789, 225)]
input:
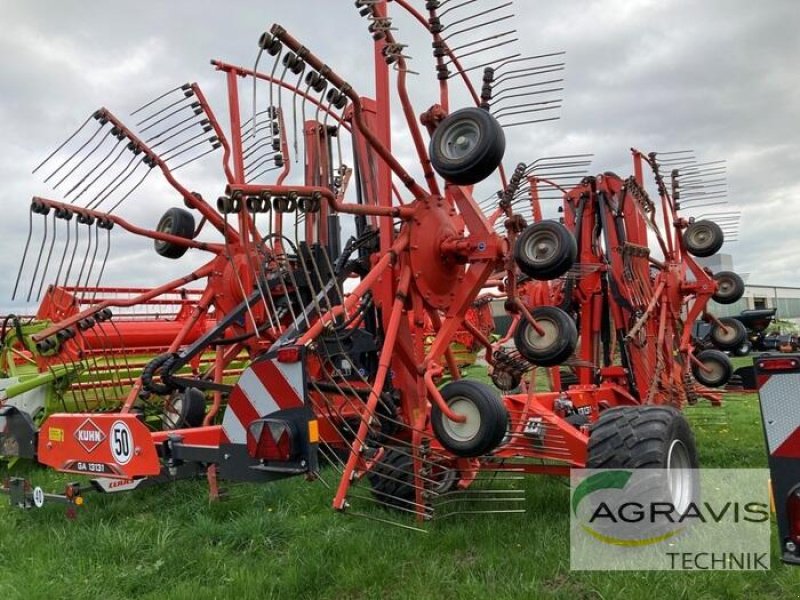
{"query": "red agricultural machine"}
[(298, 347)]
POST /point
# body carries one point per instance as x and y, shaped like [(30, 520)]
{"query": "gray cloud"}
[(718, 77)]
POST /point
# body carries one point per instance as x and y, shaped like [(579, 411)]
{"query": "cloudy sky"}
[(718, 77)]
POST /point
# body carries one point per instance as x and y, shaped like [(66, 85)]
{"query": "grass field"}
[(283, 541)]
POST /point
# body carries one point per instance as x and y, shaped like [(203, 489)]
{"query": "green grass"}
[(283, 541)]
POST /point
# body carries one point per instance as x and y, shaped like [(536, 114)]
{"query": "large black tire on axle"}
[(486, 424), (730, 287), (545, 250), (648, 437), (730, 334), (719, 368), (178, 222), (556, 345), (185, 408), (703, 238), (392, 480), (467, 146)]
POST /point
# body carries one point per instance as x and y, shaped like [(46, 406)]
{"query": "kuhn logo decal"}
[(89, 435)]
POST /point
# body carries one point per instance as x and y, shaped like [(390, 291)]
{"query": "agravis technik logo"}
[(660, 519)]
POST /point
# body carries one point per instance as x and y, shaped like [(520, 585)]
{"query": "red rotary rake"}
[(334, 337)]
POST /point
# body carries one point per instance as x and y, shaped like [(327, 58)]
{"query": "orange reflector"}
[(313, 431), (79, 501)]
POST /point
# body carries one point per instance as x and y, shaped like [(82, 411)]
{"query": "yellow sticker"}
[(313, 431), (55, 435)]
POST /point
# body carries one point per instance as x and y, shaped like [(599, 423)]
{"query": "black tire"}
[(392, 480), (646, 437), (703, 238), (730, 287), (185, 409), (178, 222), (729, 335), (556, 345), (545, 250), (506, 381), (568, 378), (472, 438), (467, 146), (743, 350), (719, 365)]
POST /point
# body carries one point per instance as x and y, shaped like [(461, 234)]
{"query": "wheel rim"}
[(725, 287), (164, 227), (172, 413), (460, 140), (679, 476), (700, 237), (503, 380), (713, 371), (544, 342), (728, 334), (542, 247), (466, 431)]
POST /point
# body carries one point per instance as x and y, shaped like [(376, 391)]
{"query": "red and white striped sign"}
[(265, 387)]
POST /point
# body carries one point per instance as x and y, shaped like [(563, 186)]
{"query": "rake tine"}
[(111, 132), (121, 182), (133, 189), (38, 260), (199, 156), (85, 257), (186, 95), (74, 252), (64, 143), (194, 115), (184, 87), (100, 174), (80, 149), (47, 262), (195, 106), (97, 200), (94, 168), (67, 219), (103, 264), (24, 253)]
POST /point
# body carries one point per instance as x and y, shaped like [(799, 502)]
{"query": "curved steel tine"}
[(100, 174), (49, 256), (74, 154), (93, 169), (74, 252), (63, 255), (130, 191), (185, 86), (85, 158), (121, 182), (64, 143), (24, 254), (187, 94), (96, 201), (38, 260)]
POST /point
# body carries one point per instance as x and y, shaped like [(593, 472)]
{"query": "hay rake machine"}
[(301, 347)]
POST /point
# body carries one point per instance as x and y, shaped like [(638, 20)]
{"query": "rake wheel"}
[(178, 222), (486, 419), (703, 238), (730, 287), (556, 343), (545, 250), (728, 334), (713, 368), (467, 146)]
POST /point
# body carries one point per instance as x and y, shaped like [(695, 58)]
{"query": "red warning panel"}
[(108, 445)]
